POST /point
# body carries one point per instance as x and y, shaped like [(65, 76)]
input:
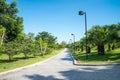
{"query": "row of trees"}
[(103, 37), (14, 41), (30, 45)]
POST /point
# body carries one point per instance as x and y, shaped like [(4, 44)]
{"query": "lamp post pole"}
[(70, 41), (84, 13), (74, 41)]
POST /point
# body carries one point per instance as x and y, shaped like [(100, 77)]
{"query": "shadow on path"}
[(84, 73), (40, 77), (67, 57)]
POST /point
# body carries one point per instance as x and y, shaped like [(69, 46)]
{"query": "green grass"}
[(110, 57), (19, 60)]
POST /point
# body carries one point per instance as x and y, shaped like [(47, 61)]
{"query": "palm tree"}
[(101, 35), (97, 36), (112, 35)]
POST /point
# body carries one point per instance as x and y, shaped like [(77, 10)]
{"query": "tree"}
[(47, 38), (31, 36), (98, 35), (42, 46), (9, 20), (77, 45), (112, 35), (11, 49), (27, 44), (103, 35), (63, 44), (82, 44)]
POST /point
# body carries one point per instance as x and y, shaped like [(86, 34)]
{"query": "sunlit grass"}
[(19, 60), (110, 57)]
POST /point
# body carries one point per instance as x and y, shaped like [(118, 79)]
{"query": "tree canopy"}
[(10, 20), (102, 35), (47, 37)]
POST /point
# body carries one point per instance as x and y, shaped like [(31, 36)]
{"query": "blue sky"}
[(60, 17)]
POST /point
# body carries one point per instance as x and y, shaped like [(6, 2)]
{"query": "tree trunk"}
[(101, 50), (113, 47), (25, 55), (81, 49), (98, 49), (10, 57), (44, 50), (88, 49), (34, 54), (109, 47), (2, 38)]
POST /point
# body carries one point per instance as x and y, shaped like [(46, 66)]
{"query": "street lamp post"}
[(70, 41), (74, 41), (82, 13)]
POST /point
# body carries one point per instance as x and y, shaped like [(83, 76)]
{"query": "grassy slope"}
[(110, 57), (19, 61)]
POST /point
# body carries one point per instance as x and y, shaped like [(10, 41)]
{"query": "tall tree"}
[(112, 35), (98, 35), (10, 20)]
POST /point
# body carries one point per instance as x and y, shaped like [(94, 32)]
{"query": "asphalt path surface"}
[(61, 67)]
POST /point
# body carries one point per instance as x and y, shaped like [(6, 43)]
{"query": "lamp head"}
[(81, 13), (72, 34)]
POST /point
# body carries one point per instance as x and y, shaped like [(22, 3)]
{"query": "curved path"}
[(61, 68)]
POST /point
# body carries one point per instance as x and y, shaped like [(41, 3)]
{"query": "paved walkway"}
[(61, 68)]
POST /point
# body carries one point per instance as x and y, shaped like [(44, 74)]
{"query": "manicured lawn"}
[(110, 57), (19, 60)]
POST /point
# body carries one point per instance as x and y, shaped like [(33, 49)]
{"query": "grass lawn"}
[(110, 57), (19, 60)]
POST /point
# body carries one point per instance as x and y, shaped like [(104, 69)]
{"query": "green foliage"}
[(99, 36), (27, 45), (45, 42), (11, 49), (110, 57), (63, 44), (47, 38), (19, 60), (9, 20), (14, 42)]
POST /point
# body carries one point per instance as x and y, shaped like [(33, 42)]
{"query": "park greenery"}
[(13, 41), (17, 47), (20, 61), (102, 42)]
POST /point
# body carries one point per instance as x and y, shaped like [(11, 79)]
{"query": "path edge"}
[(31, 65), (88, 64)]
